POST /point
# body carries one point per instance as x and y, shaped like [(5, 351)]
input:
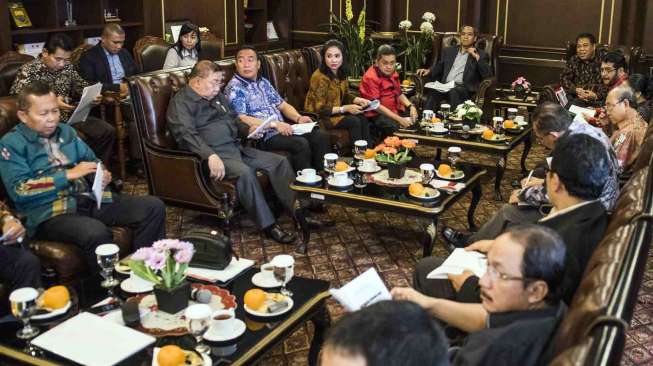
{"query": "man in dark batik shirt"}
[(581, 78)]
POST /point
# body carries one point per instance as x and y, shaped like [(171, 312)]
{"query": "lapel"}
[(587, 212), (468, 67), (105, 62), (449, 57)]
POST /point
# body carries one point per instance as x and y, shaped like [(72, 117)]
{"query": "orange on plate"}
[(416, 189), (255, 298), (370, 154), (444, 170), (406, 82), (341, 166), (435, 119), (509, 124), (171, 355), (56, 297), (488, 134)]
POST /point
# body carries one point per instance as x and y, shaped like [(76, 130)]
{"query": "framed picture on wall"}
[(172, 30)]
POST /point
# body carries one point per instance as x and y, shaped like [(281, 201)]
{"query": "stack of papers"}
[(85, 103), (210, 275), (443, 88), (258, 132), (579, 111), (364, 290), (459, 261), (447, 185), (302, 128)]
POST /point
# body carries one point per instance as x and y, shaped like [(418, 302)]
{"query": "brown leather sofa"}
[(150, 51), (10, 62), (490, 43), (66, 260)]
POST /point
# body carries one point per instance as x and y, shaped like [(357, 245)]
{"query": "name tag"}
[(317, 196)]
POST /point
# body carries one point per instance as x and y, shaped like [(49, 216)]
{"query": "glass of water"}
[(23, 305), (107, 257)]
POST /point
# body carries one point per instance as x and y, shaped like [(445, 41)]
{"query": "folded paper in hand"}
[(261, 128), (447, 185), (362, 291), (85, 103), (374, 105), (458, 261), (579, 111), (98, 186), (210, 275), (443, 88), (302, 128)]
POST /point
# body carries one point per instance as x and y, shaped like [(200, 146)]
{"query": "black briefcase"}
[(213, 250)]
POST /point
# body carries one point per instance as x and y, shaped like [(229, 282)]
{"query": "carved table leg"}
[(501, 168), (527, 148), (476, 197), (429, 238)]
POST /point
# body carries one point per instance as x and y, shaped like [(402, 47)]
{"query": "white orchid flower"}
[(405, 24), (426, 27)]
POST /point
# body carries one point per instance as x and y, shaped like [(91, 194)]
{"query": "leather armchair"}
[(78, 52), (66, 260), (212, 47), (490, 43), (10, 62), (150, 53)]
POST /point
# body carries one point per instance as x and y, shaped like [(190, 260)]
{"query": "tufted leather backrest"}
[(490, 43), (8, 116), (10, 63), (150, 53), (212, 47), (646, 150), (288, 73), (314, 56), (601, 274)]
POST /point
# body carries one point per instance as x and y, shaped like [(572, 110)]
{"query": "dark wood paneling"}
[(446, 13), (647, 35)]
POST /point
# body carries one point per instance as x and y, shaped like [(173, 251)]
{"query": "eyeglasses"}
[(607, 70), (494, 274), (612, 105)]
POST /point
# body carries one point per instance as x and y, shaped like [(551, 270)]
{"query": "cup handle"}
[(299, 173)]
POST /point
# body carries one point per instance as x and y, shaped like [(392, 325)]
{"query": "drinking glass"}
[(23, 305), (454, 156), (359, 147), (199, 317), (107, 257), (445, 109), (498, 125), (283, 271), (428, 171), (512, 114)]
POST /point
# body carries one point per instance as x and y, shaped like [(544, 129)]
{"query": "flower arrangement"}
[(394, 150), (353, 34), (164, 263), (521, 83), (469, 111), (417, 45)]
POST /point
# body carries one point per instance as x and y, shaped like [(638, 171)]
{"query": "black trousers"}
[(100, 136), (19, 267), (455, 96), (358, 127), (384, 126), (90, 227), (305, 151)]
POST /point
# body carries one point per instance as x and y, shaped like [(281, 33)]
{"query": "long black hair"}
[(185, 29), (342, 70)]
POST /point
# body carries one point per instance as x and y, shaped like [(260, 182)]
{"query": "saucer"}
[(429, 194), (269, 315), (439, 131), (238, 329), (496, 138), (304, 181), (351, 168), (458, 174), (378, 168), (136, 286), (122, 268), (259, 280), (52, 313), (332, 183)]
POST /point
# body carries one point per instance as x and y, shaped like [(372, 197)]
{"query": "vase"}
[(521, 92), (469, 122), (172, 300), (396, 171)]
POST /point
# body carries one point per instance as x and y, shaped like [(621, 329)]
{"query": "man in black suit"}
[(108, 62), (464, 65)]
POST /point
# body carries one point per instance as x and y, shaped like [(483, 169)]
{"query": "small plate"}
[(477, 130), (351, 168), (441, 131), (496, 138), (517, 130), (332, 183), (522, 123), (433, 194), (377, 169), (458, 174), (206, 359), (259, 280), (122, 268), (52, 313), (213, 336), (318, 179), (136, 286), (269, 315)]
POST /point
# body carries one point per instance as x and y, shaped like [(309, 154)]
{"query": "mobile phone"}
[(104, 308)]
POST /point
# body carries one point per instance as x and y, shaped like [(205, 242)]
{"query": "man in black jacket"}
[(108, 62), (465, 65)]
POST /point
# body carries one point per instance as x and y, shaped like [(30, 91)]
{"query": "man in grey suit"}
[(465, 65), (201, 120)]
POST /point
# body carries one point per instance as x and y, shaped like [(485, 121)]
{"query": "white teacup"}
[(267, 272), (360, 146), (427, 115), (369, 164), (340, 178), (307, 174), (222, 321), (330, 160), (519, 119)]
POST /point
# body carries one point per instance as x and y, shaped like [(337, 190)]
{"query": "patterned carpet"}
[(389, 243)]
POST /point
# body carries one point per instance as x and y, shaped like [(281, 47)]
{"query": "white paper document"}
[(211, 275), (443, 88), (458, 261), (91, 340), (362, 291), (302, 128), (578, 111), (260, 129), (85, 104), (447, 185), (98, 189)]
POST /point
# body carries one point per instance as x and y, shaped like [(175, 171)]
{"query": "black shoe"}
[(316, 224), (455, 238), (277, 234)]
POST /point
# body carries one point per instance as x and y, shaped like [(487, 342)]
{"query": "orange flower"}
[(379, 147), (392, 141), (390, 150), (408, 144)]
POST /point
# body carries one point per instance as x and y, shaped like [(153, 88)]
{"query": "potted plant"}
[(469, 113), (395, 153), (416, 45), (521, 87), (165, 264), (353, 34)]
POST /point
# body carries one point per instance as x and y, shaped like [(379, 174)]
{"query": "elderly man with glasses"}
[(621, 108)]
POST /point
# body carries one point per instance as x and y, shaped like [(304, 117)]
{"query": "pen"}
[(529, 178)]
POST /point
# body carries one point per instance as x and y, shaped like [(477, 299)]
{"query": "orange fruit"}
[(255, 298), (416, 189), (406, 82), (435, 120), (508, 124), (487, 134), (370, 154), (56, 297), (171, 355), (444, 170), (341, 166)]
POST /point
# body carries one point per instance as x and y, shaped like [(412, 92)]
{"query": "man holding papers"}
[(464, 65), (55, 69), (47, 172), (520, 304)]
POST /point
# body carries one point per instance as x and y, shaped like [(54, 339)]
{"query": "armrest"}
[(548, 93), (485, 94), (418, 99)]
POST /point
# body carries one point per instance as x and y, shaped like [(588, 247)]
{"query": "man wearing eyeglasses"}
[(519, 305), (631, 129)]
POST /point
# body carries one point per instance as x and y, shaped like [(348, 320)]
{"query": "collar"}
[(555, 213), (31, 135), (249, 81), (188, 53), (109, 54), (382, 75), (620, 80), (497, 320)]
